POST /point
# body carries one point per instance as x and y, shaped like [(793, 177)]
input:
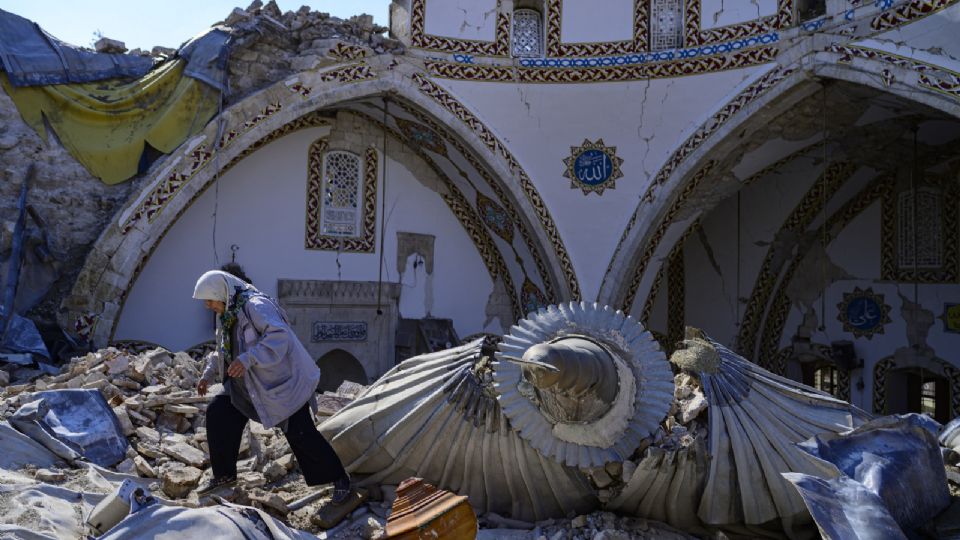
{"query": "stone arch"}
[(92, 309), (338, 366), (649, 234)]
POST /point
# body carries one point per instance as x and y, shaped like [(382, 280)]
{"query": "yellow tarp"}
[(105, 124)]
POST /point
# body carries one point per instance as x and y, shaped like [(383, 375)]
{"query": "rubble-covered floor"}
[(153, 397)]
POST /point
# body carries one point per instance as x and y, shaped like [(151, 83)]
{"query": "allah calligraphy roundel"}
[(593, 167)]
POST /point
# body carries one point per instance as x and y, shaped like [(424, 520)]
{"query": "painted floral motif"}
[(495, 217), (863, 313), (593, 167), (531, 298), (85, 325)]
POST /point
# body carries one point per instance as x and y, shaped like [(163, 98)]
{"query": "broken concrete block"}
[(287, 461), (50, 475), (144, 468), (251, 479), (126, 466), (148, 434), (185, 453), (178, 481), (107, 45), (274, 471), (691, 408), (125, 424), (176, 408), (271, 500), (117, 365)]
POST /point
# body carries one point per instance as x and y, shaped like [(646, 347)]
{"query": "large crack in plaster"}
[(918, 322)]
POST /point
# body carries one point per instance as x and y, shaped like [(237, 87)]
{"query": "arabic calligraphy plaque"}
[(863, 313), (593, 167), (339, 331)]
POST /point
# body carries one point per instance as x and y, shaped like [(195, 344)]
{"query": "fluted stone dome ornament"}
[(583, 385), (578, 409)]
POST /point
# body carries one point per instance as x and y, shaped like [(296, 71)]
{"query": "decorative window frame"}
[(365, 242), (518, 15), (890, 268), (654, 28)]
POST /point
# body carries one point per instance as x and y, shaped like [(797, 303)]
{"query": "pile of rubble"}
[(269, 45), (154, 398)]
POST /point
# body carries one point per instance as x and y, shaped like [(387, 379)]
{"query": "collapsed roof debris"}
[(579, 413)]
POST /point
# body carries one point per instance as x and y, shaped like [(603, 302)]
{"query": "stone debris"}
[(107, 45), (153, 395)]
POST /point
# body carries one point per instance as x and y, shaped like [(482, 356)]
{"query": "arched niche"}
[(338, 366)]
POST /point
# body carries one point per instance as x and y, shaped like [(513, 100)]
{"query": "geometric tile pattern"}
[(363, 242), (666, 29), (455, 107), (531, 298), (527, 33), (421, 135), (344, 52)]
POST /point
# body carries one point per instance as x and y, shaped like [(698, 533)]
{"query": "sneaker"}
[(216, 483)]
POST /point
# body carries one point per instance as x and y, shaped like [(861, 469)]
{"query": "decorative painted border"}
[(844, 305), (799, 219), (158, 197), (533, 247), (345, 52), (500, 46), (931, 76), (676, 296), (889, 269), (651, 56), (366, 242), (909, 12), (637, 72), (455, 107), (694, 35)]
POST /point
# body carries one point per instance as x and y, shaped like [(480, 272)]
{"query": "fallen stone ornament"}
[(578, 410)]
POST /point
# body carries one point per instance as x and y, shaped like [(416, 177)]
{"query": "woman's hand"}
[(202, 388), (236, 369)]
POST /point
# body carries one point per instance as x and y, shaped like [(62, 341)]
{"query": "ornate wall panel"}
[(365, 241), (947, 193)]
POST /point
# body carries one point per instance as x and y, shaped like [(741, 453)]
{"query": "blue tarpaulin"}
[(32, 57), (73, 424)]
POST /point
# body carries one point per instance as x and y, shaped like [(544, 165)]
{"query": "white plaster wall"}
[(645, 120), (462, 19), (715, 13), (596, 20), (261, 208)]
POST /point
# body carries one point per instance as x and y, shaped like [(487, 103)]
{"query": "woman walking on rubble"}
[(268, 377)]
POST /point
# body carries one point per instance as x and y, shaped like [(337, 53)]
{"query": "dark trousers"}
[(318, 461)]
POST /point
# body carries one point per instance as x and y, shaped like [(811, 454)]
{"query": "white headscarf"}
[(220, 286)]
